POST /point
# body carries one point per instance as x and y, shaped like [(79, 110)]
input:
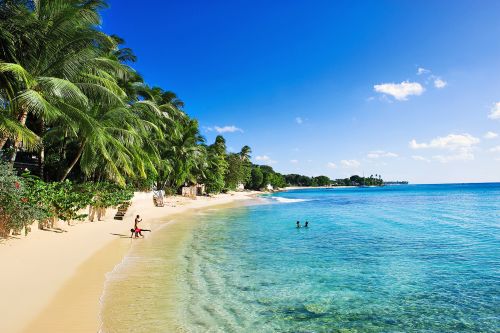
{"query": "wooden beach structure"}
[(193, 190)]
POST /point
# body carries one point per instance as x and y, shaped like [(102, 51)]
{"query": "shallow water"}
[(422, 258)]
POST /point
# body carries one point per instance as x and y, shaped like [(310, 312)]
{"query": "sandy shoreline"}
[(51, 282)]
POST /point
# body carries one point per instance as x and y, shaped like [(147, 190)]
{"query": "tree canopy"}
[(85, 124)]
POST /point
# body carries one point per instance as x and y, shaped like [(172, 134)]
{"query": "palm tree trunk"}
[(75, 160), (17, 143), (41, 162), (41, 157)]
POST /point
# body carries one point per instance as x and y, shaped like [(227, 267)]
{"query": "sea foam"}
[(289, 200)]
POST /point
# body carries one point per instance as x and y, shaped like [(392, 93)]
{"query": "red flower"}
[(24, 200), (17, 185)]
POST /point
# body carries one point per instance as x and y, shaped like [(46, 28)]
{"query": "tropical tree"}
[(256, 178), (52, 62), (216, 165), (182, 156)]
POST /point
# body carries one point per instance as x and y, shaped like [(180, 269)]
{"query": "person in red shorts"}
[(137, 231)]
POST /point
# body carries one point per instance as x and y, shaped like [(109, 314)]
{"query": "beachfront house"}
[(192, 191)]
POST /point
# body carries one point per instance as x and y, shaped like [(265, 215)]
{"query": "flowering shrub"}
[(26, 199), (16, 209)]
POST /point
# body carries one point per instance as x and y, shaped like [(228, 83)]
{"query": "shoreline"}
[(54, 281), (291, 188)]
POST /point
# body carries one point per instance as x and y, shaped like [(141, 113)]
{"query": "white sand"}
[(51, 282)]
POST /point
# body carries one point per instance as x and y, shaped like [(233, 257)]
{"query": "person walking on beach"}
[(137, 230)]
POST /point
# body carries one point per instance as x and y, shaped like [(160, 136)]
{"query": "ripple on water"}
[(404, 259)]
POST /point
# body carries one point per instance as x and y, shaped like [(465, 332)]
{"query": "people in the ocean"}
[(306, 225), (298, 224)]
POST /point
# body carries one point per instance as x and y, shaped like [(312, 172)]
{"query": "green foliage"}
[(322, 181), (217, 166), (64, 200), (235, 171), (17, 208), (299, 180), (68, 198), (107, 194), (256, 178), (69, 95), (356, 180), (183, 158)]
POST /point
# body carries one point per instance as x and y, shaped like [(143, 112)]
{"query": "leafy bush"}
[(108, 194), (18, 210), (64, 200)]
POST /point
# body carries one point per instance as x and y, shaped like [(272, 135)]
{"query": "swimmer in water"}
[(298, 224), (307, 224)]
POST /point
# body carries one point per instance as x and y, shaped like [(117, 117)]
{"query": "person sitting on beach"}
[(298, 224), (306, 225)]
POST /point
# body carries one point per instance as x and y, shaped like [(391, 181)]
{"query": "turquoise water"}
[(422, 258)]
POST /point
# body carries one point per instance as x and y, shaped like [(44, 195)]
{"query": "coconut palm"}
[(183, 154), (245, 153), (51, 63)]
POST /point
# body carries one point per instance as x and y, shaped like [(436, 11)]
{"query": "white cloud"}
[(227, 129), (350, 163), (298, 120), (451, 141), (264, 159), (294, 161), (495, 111), (463, 154), (331, 165), (420, 158), (461, 146), (495, 149), (400, 91), (380, 153), (490, 135), (439, 83), (422, 70)]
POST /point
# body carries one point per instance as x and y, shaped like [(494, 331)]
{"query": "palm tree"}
[(245, 153), (11, 129), (115, 143), (50, 62), (183, 154)]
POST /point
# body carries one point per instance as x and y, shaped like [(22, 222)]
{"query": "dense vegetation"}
[(360, 181), (89, 129), (75, 113), (300, 180)]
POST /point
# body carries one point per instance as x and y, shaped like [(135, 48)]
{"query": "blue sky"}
[(404, 89)]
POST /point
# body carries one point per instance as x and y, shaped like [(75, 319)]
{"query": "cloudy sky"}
[(409, 90)]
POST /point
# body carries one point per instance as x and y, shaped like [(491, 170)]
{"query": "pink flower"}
[(17, 185)]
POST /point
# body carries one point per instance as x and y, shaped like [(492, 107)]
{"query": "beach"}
[(385, 259), (52, 282)]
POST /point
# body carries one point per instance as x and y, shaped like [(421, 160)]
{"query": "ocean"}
[(406, 258)]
